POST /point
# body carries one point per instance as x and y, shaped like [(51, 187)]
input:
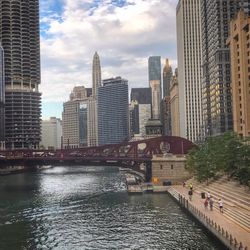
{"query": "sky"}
[(123, 32)]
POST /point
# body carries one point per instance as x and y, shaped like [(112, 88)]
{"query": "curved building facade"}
[(19, 34), (2, 100)]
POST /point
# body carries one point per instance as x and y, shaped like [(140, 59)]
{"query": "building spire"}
[(96, 74)]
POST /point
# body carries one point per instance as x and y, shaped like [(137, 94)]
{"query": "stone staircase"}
[(236, 199)]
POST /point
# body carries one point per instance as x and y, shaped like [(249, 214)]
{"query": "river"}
[(89, 208)]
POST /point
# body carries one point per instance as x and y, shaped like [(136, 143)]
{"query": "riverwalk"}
[(232, 234)]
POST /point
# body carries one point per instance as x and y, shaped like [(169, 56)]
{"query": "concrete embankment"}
[(229, 233), (12, 170), (146, 188)]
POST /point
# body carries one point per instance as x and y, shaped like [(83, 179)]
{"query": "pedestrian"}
[(206, 204), (191, 186), (211, 203), (220, 205), (184, 184), (208, 195), (190, 193)]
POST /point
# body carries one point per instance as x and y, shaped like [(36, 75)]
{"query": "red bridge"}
[(123, 153)]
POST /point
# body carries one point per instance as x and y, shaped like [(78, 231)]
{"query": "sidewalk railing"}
[(228, 239)]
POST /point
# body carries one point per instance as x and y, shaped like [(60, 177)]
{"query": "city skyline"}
[(71, 31)]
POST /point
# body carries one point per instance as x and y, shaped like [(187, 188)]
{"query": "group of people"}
[(208, 200)]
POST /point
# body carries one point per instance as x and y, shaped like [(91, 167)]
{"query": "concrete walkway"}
[(240, 233)]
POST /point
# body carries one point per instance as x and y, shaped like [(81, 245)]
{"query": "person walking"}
[(211, 204), (206, 204), (208, 195), (220, 205), (191, 186), (190, 193)]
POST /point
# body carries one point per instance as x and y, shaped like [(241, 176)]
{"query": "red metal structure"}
[(136, 151)]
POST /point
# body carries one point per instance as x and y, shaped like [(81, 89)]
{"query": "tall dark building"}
[(141, 95), (165, 103), (154, 68), (19, 34), (134, 118), (89, 92), (140, 110), (154, 71), (217, 101), (2, 100), (167, 76), (113, 114)]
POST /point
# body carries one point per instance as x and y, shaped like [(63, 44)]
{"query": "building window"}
[(172, 166), (161, 167)]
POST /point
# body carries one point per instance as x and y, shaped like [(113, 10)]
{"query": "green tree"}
[(226, 154)]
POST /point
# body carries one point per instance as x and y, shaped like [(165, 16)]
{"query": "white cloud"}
[(123, 36)]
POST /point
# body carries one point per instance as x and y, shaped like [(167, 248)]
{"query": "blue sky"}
[(124, 32)]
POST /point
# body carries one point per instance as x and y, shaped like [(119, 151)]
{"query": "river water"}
[(89, 208)]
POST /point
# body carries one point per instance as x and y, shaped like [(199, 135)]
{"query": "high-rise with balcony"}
[(113, 113), (239, 43), (2, 100), (189, 69), (19, 35), (216, 79)]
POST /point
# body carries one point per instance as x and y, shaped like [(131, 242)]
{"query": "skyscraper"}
[(96, 74), (141, 95), (52, 133), (92, 104), (2, 100), (156, 98), (141, 111), (174, 102), (154, 68), (239, 42), (19, 34), (189, 67), (134, 119), (113, 114), (217, 101), (74, 119), (167, 76), (166, 110), (92, 122), (154, 71), (153, 126)]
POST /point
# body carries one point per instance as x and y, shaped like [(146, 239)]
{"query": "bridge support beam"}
[(148, 170)]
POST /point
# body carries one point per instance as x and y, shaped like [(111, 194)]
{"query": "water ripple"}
[(88, 208)]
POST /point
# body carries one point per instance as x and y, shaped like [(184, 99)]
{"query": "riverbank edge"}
[(11, 170), (222, 235)]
